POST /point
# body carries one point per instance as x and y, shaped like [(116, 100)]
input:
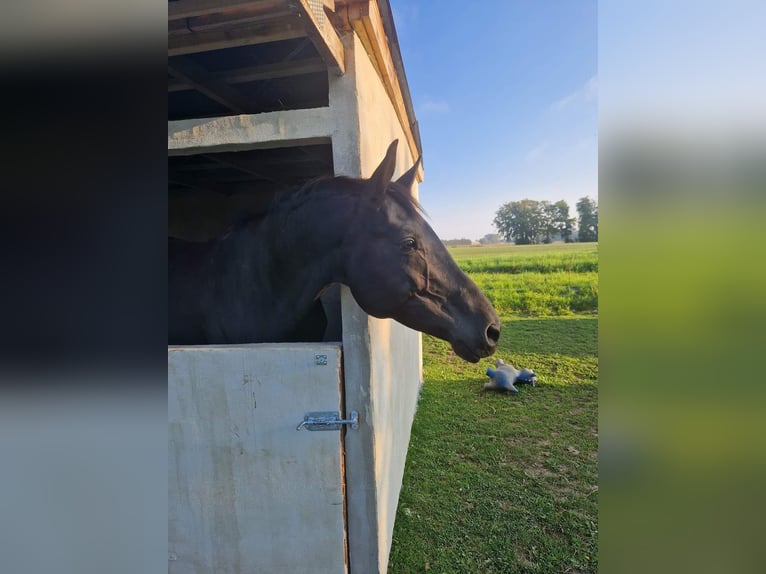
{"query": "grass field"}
[(509, 483), (536, 280)]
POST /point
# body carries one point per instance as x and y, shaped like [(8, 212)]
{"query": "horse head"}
[(398, 268)]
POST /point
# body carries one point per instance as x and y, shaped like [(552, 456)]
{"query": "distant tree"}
[(555, 221), (491, 238), (588, 219), (455, 242), (520, 221), (548, 219), (562, 222)]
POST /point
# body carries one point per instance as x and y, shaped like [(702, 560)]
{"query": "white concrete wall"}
[(247, 493), (382, 358)]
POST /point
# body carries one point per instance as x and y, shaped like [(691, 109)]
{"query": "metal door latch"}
[(327, 420)]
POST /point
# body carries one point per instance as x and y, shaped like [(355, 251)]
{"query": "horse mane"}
[(327, 184), (349, 185), (403, 197)]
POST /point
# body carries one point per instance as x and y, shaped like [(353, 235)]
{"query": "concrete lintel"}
[(250, 131)]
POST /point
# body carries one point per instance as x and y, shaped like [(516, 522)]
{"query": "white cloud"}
[(433, 106), (585, 94), (536, 152)]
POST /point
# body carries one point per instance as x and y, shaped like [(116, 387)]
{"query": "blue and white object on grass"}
[(503, 377)]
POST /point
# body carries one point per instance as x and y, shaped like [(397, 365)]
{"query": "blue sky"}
[(505, 93), (683, 66)]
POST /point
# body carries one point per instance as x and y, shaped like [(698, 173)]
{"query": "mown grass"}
[(573, 257), (540, 294), (535, 280), (506, 483)]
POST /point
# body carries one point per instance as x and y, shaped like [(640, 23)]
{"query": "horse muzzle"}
[(478, 349)]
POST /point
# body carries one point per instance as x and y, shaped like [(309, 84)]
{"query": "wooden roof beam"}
[(226, 19), (192, 8), (217, 39), (187, 71), (321, 32), (259, 73)]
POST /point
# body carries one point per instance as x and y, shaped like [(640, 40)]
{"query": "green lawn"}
[(480, 251), (508, 483)]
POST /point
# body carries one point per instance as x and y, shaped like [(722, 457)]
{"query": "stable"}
[(285, 457)]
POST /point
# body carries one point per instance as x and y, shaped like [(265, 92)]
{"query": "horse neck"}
[(298, 248), (308, 234)]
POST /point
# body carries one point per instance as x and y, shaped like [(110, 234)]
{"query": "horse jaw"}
[(462, 351), (466, 330)]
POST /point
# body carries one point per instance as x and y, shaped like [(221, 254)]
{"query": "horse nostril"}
[(493, 334)]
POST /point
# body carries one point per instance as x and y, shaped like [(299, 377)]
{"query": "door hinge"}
[(327, 420)]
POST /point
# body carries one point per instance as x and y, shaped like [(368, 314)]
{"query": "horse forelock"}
[(405, 199)]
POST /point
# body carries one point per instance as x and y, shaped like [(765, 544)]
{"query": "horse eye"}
[(409, 244)]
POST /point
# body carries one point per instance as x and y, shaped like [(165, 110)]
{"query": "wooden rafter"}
[(188, 72), (202, 25), (259, 73), (191, 8), (271, 31), (322, 33), (225, 19)]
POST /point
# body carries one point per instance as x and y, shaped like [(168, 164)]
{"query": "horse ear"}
[(408, 179), (385, 171)]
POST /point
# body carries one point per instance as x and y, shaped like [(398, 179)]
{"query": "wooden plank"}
[(259, 73), (190, 8), (367, 41), (367, 22), (247, 492), (225, 19), (320, 30), (235, 37), (191, 74)]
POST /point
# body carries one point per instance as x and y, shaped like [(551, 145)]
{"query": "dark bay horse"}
[(260, 282)]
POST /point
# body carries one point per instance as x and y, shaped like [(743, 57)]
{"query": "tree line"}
[(530, 221), (488, 239)]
